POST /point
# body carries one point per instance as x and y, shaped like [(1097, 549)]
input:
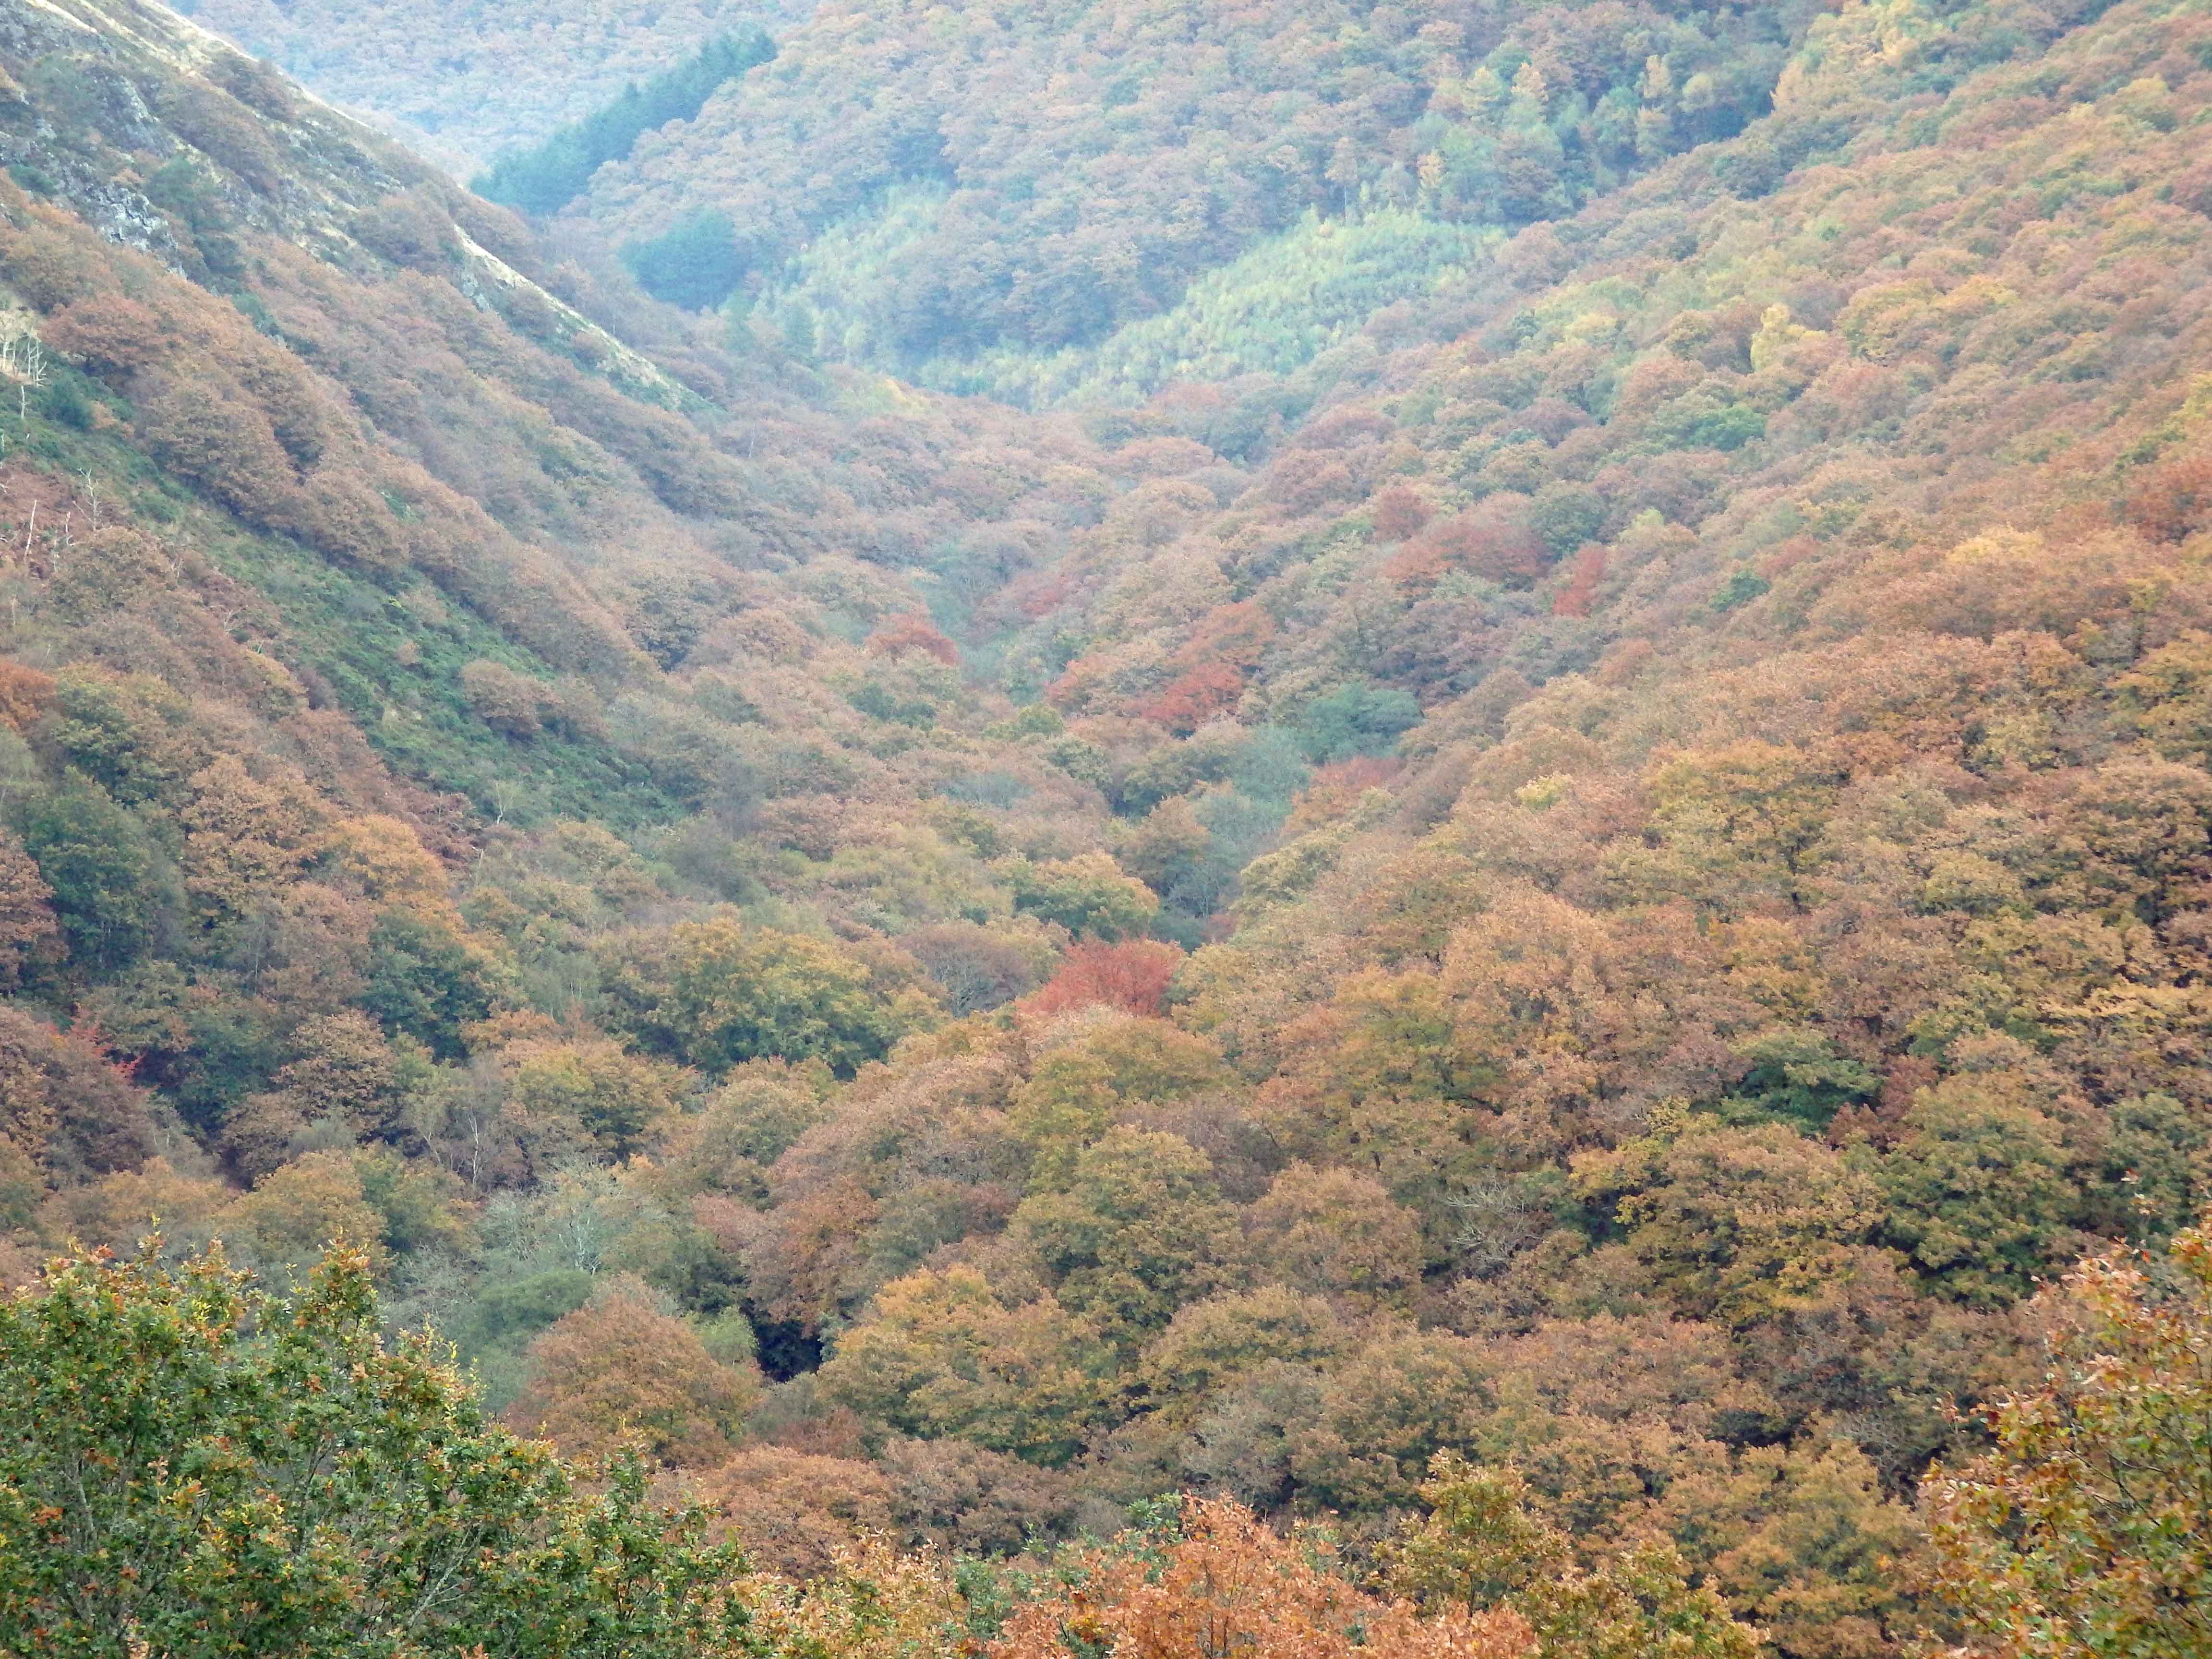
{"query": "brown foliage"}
[(345, 515), (1227, 1585), (1587, 569), (512, 704), (1335, 788), (224, 129), (1337, 1232), (912, 632), (2175, 502), (1566, 1028), (409, 228), (1492, 539), (29, 933), (794, 1511), (960, 1497), (618, 1372), (64, 1104), (255, 82), (1400, 513), (223, 443), (108, 570), (25, 693), (110, 332)]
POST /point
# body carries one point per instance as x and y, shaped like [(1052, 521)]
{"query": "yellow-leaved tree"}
[(2086, 1531)]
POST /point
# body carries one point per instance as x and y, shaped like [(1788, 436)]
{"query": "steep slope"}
[(1746, 921), (982, 195), (1597, 869), (546, 177), (1072, 167), (341, 546)]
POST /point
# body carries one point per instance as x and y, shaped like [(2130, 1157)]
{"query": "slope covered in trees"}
[(547, 177), (459, 84), (150, 1487), (1523, 925), (982, 186), (365, 595)]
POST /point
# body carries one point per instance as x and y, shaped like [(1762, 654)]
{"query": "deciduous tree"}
[(2083, 1532), (1215, 1580), (618, 1372), (198, 1469)]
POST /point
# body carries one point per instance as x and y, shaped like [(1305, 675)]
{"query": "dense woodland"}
[(546, 177), (460, 84), (1461, 939), (986, 197)]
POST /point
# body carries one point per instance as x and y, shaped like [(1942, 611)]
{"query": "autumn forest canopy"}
[(1053, 830)]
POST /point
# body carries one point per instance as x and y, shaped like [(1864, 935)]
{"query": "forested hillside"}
[(461, 83), (1506, 881), (546, 177), (1019, 199), (389, 638)]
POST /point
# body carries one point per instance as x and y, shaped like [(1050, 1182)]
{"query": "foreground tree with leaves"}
[(2087, 1530), (190, 1467), (1481, 1549)]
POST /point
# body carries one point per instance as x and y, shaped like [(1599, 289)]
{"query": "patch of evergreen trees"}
[(697, 264), (547, 178)]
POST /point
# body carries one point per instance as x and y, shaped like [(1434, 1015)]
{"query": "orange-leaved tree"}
[(617, 1373), (1216, 1582)]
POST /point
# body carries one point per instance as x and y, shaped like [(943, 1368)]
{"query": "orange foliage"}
[(1035, 594), (912, 632), (1224, 648), (1192, 699), (1079, 682), (1335, 787), (110, 332), (25, 693), (2175, 502), (1228, 1585), (1824, 909), (1233, 633), (1132, 974), (1417, 566), (1575, 598)]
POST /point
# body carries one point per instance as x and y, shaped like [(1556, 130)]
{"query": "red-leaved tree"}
[(1132, 974)]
